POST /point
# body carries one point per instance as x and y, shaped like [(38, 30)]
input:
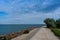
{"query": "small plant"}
[(26, 31), (56, 32), (4, 38), (58, 23)]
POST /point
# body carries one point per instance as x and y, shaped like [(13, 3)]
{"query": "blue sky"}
[(28, 11)]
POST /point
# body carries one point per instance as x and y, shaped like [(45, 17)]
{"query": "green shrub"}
[(56, 32), (4, 38), (26, 31), (58, 23), (50, 22)]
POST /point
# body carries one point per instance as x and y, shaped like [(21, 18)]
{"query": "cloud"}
[(28, 11)]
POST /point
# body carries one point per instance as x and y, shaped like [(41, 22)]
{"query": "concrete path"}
[(44, 34)]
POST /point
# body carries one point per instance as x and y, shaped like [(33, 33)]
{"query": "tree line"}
[(50, 22)]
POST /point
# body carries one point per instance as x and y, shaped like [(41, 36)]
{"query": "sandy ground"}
[(38, 34), (44, 34)]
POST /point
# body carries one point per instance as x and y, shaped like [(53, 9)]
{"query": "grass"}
[(56, 31)]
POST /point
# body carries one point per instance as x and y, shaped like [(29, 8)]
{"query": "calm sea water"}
[(9, 28)]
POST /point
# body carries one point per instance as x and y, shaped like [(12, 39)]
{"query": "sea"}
[(10, 28)]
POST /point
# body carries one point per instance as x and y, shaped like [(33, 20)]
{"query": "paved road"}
[(44, 34)]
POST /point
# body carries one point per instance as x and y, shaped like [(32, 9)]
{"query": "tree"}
[(58, 23), (50, 22)]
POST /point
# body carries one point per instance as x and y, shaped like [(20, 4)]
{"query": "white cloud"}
[(16, 13)]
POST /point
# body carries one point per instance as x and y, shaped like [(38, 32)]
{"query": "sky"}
[(28, 11)]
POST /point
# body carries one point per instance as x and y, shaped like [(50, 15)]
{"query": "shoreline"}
[(26, 36), (16, 34)]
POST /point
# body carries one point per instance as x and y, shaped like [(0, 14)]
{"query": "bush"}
[(58, 23), (26, 31), (4, 38), (56, 32), (50, 22)]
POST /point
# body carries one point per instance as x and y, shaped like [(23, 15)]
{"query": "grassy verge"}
[(56, 31)]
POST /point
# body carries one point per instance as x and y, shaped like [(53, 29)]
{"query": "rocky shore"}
[(15, 34)]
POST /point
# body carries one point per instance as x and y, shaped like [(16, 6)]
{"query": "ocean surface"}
[(10, 28)]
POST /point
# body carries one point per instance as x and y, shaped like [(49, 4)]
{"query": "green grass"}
[(56, 31)]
